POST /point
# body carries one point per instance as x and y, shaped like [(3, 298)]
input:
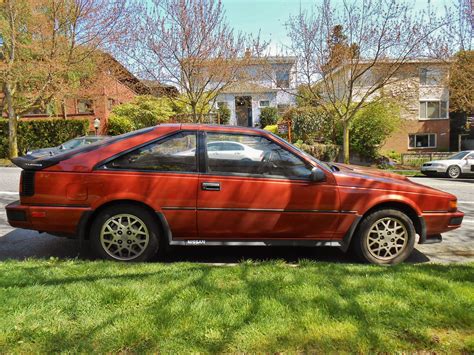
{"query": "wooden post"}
[(289, 130)]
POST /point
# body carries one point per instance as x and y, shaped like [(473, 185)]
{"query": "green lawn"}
[(52, 306)]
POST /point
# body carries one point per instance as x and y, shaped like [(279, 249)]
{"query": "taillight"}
[(27, 183), (453, 206)]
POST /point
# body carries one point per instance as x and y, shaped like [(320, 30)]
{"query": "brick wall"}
[(408, 92)]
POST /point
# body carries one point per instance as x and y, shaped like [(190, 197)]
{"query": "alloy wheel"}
[(454, 172), (387, 238), (124, 237)]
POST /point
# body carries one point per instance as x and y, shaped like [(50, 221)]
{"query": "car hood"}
[(369, 171), (375, 179)]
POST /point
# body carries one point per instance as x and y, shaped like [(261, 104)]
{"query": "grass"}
[(83, 306)]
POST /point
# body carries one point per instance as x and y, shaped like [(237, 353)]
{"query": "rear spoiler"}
[(29, 163)]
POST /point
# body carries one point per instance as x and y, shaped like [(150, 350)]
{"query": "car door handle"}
[(211, 186)]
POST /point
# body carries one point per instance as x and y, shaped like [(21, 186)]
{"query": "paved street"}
[(458, 246)]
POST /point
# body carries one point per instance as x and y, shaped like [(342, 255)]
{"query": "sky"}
[(270, 16)]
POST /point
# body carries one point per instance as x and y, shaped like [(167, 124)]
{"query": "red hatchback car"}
[(184, 184)]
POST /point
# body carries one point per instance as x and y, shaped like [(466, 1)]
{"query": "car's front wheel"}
[(454, 172), (385, 237), (125, 233)]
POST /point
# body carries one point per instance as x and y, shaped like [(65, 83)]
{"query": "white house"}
[(269, 82)]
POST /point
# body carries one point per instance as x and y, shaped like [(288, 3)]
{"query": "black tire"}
[(365, 235), (453, 172), (145, 246)]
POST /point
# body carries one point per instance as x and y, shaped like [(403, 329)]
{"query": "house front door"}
[(243, 110)]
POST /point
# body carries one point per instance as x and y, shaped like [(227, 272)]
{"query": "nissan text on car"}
[(135, 194)]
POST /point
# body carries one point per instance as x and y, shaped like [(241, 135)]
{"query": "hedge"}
[(268, 116), (42, 133)]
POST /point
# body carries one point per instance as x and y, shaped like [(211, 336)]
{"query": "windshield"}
[(73, 143), (458, 156)]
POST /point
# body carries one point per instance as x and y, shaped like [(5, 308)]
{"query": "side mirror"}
[(317, 175)]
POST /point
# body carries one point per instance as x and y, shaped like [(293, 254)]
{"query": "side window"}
[(252, 155), (174, 154)]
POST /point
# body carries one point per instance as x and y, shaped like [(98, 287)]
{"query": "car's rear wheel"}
[(454, 172), (385, 237), (125, 233)]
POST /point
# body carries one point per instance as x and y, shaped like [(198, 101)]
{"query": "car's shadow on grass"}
[(22, 244)]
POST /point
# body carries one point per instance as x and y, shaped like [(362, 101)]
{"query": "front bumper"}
[(433, 169), (441, 222), (52, 219)]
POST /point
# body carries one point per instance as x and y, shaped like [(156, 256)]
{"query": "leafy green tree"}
[(461, 82), (143, 111), (224, 114), (372, 125), (47, 48)]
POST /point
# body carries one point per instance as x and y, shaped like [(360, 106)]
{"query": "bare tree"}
[(187, 44), (47, 48), (348, 54)]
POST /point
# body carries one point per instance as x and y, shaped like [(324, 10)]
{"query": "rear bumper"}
[(53, 219), (441, 222)]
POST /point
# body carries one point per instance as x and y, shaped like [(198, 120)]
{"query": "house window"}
[(422, 140), (264, 103), (110, 104), (282, 108), (283, 79), (85, 106), (38, 110), (433, 109), (430, 76)]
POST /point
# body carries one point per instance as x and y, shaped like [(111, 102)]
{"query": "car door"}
[(468, 167), (272, 198), (163, 174)]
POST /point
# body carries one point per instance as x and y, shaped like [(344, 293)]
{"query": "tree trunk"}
[(12, 123), (194, 112), (63, 107), (345, 141)]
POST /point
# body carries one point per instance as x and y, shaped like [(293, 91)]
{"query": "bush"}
[(224, 114), (272, 128), (309, 124), (371, 126), (324, 152), (143, 111), (119, 125), (42, 133), (268, 116)]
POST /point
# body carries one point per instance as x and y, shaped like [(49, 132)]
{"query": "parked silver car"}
[(229, 150), (71, 144), (456, 165)]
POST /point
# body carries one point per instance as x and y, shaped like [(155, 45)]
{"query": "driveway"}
[(457, 246)]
